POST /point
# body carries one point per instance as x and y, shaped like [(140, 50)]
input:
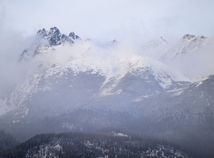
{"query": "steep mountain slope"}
[(81, 69)]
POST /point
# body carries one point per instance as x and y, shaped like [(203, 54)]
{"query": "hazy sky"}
[(110, 18)]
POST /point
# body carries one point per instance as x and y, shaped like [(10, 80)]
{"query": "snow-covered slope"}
[(55, 58), (58, 62)]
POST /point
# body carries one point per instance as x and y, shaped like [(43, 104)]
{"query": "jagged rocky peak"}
[(190, 43), (54, 31), (55, 37), (190, 37), (48, 38), (73, 36), (42, 32)]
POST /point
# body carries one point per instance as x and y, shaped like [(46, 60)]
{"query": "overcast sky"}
[(110, 18)]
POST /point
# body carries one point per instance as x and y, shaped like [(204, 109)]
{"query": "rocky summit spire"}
[(54, 31), (189, 37), (42, 32), (48, 38), (54, 36), (73, 36)]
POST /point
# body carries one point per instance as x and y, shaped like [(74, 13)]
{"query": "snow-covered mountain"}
[(60, 58), (45, 40), (74, 84), (188, 44)]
